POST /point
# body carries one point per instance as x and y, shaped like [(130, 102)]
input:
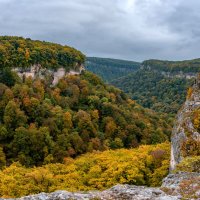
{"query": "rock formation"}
[(118, 192), (56, 74), (184, 129)]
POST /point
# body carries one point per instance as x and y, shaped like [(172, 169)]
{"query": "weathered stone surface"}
[(182, 184), (118, 192), (173, 180), (38, 71)]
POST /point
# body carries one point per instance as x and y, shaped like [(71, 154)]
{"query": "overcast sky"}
[(126, 29)]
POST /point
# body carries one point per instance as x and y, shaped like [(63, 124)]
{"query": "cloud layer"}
[(127, 29)]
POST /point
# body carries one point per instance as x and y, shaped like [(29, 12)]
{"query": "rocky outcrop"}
[(184, 128), (118, 192), (173, 181), (55, 74)]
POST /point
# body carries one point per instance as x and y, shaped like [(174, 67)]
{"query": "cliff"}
[(55, 75), (185, 135)]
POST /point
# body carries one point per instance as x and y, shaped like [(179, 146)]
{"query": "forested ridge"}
[(154, 90), (185, 66), (22, 53), (110, 69), (155, 84)]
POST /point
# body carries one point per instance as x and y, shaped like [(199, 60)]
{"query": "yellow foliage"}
[(189, 92), (146, 165)]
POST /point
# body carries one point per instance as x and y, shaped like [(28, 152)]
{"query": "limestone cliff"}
[(55, 74), (184, 133)]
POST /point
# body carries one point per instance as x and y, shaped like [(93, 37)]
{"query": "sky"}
[(124, 29)]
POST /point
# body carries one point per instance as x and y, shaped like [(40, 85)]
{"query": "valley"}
[(79, 132)]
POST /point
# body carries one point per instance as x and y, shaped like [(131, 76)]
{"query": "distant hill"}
[(110, 69), (154, 90), (156, 84), (185, 66)]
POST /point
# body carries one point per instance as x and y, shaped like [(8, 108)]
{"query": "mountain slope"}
[(110, 69), (154, 90), (186, 132), (156, 84), (78, 115), (143, 165)]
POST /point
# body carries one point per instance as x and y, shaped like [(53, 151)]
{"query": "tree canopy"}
[(146, 165), (22, 53), (43, 124), (110, 69)]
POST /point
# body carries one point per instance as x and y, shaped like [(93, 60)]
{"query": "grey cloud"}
[(128, 29)]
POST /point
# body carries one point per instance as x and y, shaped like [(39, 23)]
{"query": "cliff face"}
[(184, 133), (55, 74)]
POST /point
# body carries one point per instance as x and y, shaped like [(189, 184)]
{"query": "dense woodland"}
[(110, 69), (146, 165), (153, 90), (146, 83), (22, 53), (41, 124)]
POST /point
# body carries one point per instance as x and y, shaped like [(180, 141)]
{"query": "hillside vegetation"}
[(146, 165), (155, 84), (20, 52), (154, 90), (110, 69), (41, 124)]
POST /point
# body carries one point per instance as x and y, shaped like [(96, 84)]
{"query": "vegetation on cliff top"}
[(20, 52), (186, 66)]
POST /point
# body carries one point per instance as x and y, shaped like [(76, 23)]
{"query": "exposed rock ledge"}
[(56, 74)]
